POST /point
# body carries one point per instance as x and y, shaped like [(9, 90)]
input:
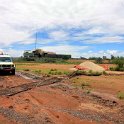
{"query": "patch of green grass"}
[(104, 72), (37, 72), (112, 68), (120, 95), (50, 72), (84, 85), (57, 72), (80, 72), (92, 73), (88, 73), (53, 69), (80, 83), (88, 91), (66, 73)]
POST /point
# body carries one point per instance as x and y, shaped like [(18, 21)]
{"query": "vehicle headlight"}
[(13, 65)]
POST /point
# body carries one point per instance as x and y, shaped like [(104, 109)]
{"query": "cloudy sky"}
[(78, 27)]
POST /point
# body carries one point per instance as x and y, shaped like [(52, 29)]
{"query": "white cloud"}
[(102, 53), (106, 39), (13, 53), (19, 18), (112, 52), (28, 41), (58, 35), (97, 30), (66, 49)]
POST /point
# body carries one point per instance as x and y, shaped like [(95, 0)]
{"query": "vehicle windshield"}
[(5, 59)]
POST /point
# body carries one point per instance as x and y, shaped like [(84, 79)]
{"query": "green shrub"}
[(85, 84), (112, 68), (119, 61), (59, 73), (97, 73), (37, 71), (120, 95), (104, 72), (117, 68), (80, 72), (53, 69), (66, 73), (92, 73), (88, 91), (89, 73), (26, 69), (121, 69), (55, 72)]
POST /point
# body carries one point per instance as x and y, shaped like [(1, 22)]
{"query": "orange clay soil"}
[(107, 84), (61, 103), (11, 81)]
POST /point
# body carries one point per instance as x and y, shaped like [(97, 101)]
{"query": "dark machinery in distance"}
[(39, 53)]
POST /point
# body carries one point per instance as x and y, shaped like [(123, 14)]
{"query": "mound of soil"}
[(87, 65)]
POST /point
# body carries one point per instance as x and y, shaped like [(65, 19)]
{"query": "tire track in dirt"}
[(25, 87), (109, 104), (83, 114)]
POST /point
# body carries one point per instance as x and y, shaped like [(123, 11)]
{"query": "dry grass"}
[(109, 84), (49, 69), (34, 66)]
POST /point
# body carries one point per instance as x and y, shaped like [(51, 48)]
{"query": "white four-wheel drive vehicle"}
[(6, 64)]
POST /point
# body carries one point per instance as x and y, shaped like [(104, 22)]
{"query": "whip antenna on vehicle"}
[(36, 41)]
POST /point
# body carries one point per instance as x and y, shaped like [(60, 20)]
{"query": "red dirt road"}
[(58, 103)]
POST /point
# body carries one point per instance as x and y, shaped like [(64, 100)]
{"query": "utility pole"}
[(36, 41)]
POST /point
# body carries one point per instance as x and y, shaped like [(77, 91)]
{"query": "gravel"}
[(24, 118), (93, 116)]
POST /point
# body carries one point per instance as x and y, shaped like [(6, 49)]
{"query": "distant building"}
[(83, 58), (39, 53)]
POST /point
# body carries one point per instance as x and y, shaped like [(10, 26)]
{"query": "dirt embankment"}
[(56, 103)]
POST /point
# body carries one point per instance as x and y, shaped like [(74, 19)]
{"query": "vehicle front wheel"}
[(13, 72)]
